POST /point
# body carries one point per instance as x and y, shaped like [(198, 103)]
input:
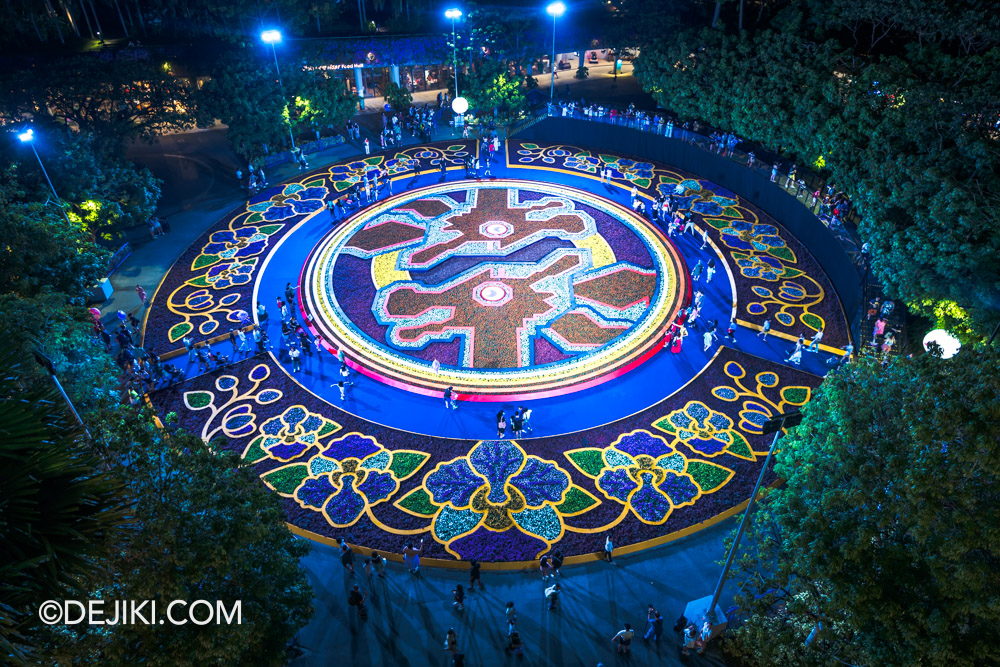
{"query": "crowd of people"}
[(688, 635)]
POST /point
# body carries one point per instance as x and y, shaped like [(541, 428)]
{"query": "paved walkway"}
[(410, 615)]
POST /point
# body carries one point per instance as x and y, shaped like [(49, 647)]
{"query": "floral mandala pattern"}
[(499, 486), (705, 431), (294, 199), (647, 475), (346, 478)]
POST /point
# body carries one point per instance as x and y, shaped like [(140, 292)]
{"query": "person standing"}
[(545, 567), (142, 295), (189, 346), (449, 398), (556, 561), (696, 271), (343, 390), (774, 172), (624, 639), (451, 641), (552, 595), (295, 356), (609, 547), (731, 330), (378, 564), (511, 614), (710, 270), (501, 425), (707, 338), (474, 576), (458, 593), (411, 556), (346, 556), (690, 638), (368, 149), (290, 292), (516, 423)]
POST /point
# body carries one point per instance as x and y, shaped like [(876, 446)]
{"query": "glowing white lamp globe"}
[(949, 344), (460, 105)]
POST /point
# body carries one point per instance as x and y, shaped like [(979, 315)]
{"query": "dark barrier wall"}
[(752, 185)]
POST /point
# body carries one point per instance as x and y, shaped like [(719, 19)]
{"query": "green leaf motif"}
[(814, 322), (269, 229), (530, 146), (405, 464), (610, 160), (589, 461), (731, 212), (328, 428), (202, 261), (455, 147), (709, 476), (791, 273), (664, 425), (254, 452), (178, 331), (254, 219), (374, 161), (198, 400), (318, 183), (577, 501), (418, 502), (340, 186), (784, 253), (641, 182), (286, 479), (796, 395), (740, 447), (198, 282), (718, 224)]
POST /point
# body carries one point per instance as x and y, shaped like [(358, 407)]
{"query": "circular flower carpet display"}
[(537, 289)]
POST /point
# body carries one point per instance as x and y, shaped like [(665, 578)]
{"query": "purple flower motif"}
[(617, 483), (763, 267), (742, 235), (294, 199), (233, 244), (706, 431), (291, 434), (224, 276)]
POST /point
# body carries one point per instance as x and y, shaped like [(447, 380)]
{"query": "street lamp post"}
[(273, 37), (555, 10), (454, 14), (28, 137)]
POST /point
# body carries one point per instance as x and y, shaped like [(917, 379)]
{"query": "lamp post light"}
[(454, 14), (28, 137), (555, 10), (273, 37)]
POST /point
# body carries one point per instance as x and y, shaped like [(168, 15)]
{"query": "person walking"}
[(458, 593), (378, 564), (357, 599), (710, 270), (290, 292), (474, 576), (655, 628), (765, 329), (449, 398), (514, 644), (817, 337), (552, 595), (451, 641), (707, 337), (795, 357), (501, 425), (731, 330), (342, 386), (526, 419), (545, 567), (141, 293), (411, 556), (511, 614), (295, 355), (609, 547), (624, 639)]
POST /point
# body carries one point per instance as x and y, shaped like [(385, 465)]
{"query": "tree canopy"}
[(887, 530), (899, 99)]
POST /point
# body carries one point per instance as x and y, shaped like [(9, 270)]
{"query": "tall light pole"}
[(28, 137), (273, 37), (454, 14), (555, 10)]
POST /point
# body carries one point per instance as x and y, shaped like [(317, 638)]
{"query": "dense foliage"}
[(899, 99), (59, 508), (887, 532)]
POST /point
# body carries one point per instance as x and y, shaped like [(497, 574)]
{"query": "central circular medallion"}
[(514, 288)]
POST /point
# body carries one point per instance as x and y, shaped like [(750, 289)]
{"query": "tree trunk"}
[(86, 16), (121, 17), (128, 13), (318, 31), (741, 16), (361, 14), (718, 10), (55, 20)]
